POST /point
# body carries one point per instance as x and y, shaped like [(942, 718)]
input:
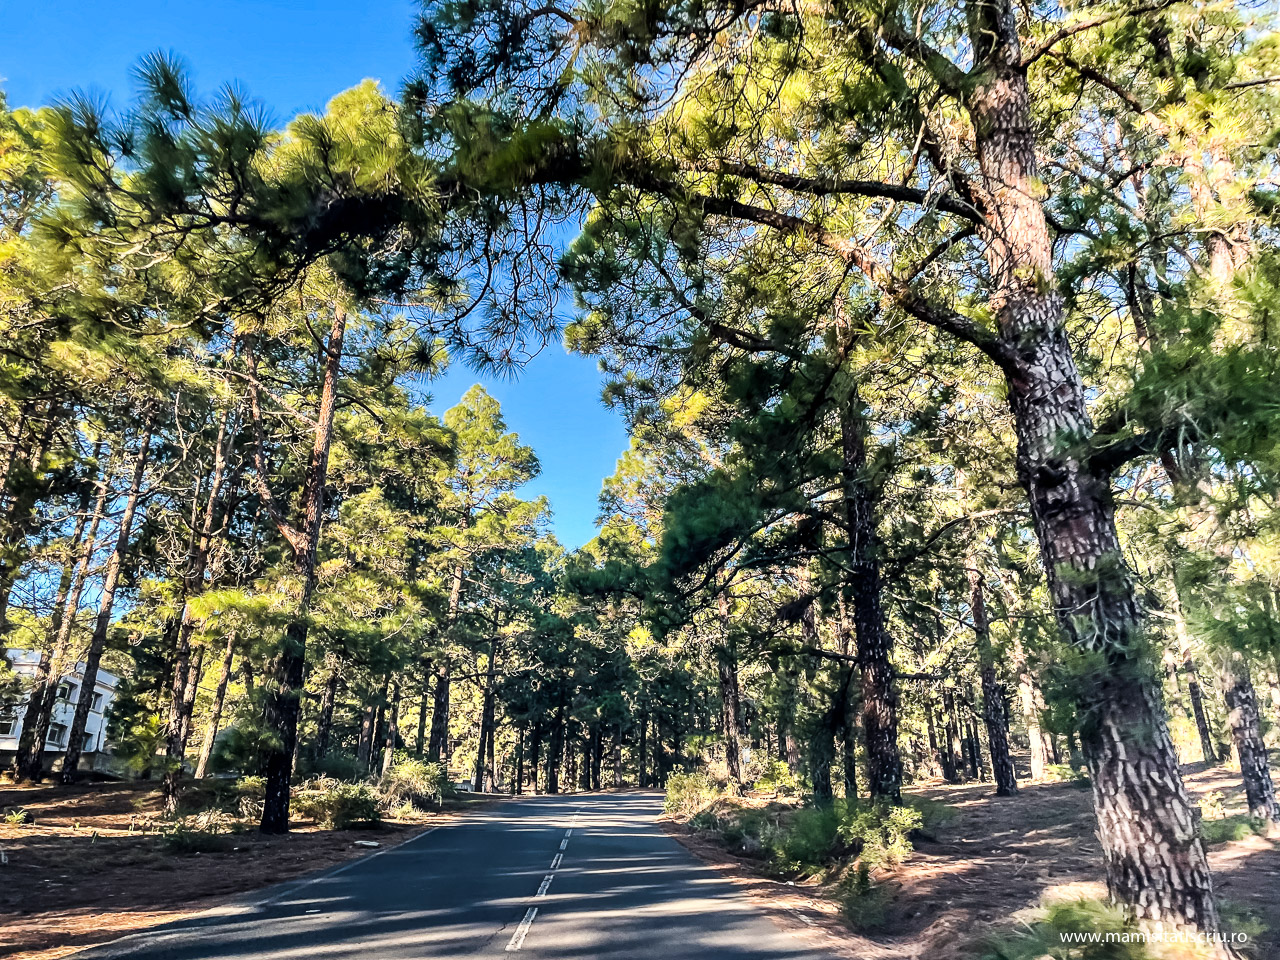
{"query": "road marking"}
[(569, 832), (546, 882), (564, 843), (517, 938), (555, 864)]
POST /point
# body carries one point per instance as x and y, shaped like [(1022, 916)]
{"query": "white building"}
[(24, 663)]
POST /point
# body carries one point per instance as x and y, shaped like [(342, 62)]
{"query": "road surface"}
[(550, 878)]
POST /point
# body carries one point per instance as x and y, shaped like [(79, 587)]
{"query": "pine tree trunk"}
[(393, 728), (995, 712), (215, 711), (518, 786), (1156, 867), (642, 779), (1194, 694), (106, 604), (282, 703), (424, 706), (555, 750), (328, 700), (486, 715), (862, 584), (28, 758), (1246, 733), (730, 708), (849, 742)]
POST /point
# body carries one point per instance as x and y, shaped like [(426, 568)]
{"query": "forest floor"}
[(91, 867), (996, 862)]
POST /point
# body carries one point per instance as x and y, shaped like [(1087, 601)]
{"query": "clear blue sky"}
[(294, 56)]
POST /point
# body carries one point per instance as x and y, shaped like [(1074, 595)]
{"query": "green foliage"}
[(688, 793), (339, 806), (1227, 829), (416, 783), (17, 816), (779, 779), (1044, 937), (1075, 776), (863, 903)]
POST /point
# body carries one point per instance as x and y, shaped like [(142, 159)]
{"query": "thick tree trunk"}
[(282, 703), (862, 585), (215, 710), (106, 604), (555, 751), (995, 711), (730, 714), (1246, 733), (424, 707), (438, 748), (1156, 867)]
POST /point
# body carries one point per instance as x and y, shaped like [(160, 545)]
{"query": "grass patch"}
[(1226, 829)]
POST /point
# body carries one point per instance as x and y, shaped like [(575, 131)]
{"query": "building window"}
[(67, 690), (87, 746), (97, 702), (57, 734), (6, 726)]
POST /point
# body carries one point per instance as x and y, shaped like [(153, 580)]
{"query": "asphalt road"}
[(549, 878)]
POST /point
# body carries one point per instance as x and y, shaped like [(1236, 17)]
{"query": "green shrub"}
[(687, 793), (777, 778), (933, 813), (1230, 828), (807, 840), (1043, 938), (1076, 776), (206, 833), (338, 806), (864, 904), (416, 782), (338, 766), (255, 787), (17, 816), (881, 834)]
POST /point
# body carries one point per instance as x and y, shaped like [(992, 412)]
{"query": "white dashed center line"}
[(522, 931)]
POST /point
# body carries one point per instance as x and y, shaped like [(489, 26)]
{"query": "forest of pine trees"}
[(946, 335)]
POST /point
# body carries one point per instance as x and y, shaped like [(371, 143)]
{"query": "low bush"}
[(1076, 776), (417, 783), (863, 903), (338, 806), (778, 779), (687, 793), (1226, 829), (206, 833), (17, 816), (1048, 936)]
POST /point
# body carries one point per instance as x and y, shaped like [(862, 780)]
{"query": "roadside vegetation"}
[(945, 336)]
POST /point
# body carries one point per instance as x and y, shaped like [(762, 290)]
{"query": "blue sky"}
[(294, 56)]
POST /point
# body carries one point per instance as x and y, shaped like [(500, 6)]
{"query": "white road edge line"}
[(564, 843), (546, 882), (517, 938), (555, 864)]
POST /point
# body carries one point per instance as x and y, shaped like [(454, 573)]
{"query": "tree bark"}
[(486, 716), (1246, 733), (438, 748), (106, 603), (862, 584), (424, 706), (215, 711), (324, 726), (282, 702), (1194, 694), (995, 711), (730, 710), (393, 728)]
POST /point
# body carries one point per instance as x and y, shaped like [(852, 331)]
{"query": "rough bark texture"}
[(393, 729), (106, 603), (1196, 697), (1156, 867), (1246, 733), (730, 715), (438, 747), (324, 726), (486, 718), (862, 582)]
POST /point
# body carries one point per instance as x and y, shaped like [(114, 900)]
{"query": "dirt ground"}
[(78, 876), (998, 860)]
